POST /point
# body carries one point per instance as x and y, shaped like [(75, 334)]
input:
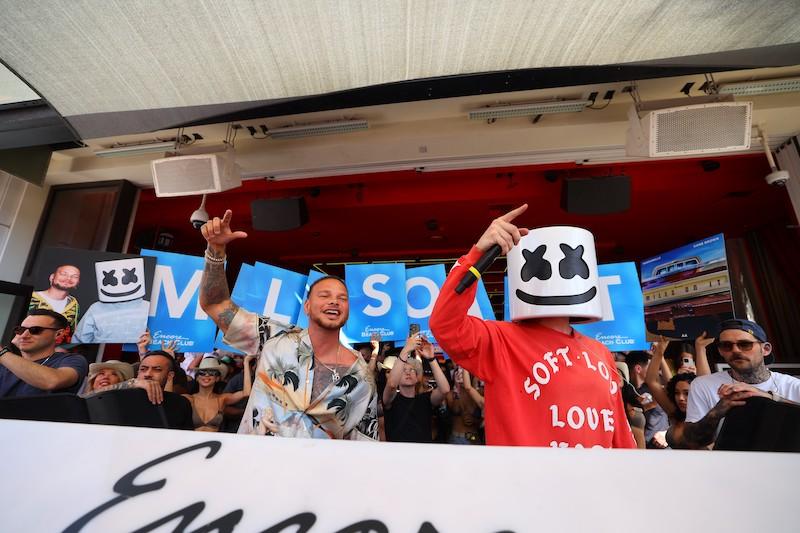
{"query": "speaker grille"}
[(183, 175), (720, 127)]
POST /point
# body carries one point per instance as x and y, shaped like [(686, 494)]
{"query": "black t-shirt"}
[(409, 419)]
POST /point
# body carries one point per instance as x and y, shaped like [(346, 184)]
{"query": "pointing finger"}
[(226, 218), (514, 213)]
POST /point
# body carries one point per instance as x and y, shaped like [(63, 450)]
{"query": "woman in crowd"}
[(673, 397), (464, 411), (207, 405), (104, 375)]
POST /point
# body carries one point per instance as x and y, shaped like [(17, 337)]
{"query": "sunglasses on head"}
[(208, 373), (34, 330), (744, 346)]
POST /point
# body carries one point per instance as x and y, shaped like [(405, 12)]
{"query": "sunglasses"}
[(744, 346), (214, 373), (34, 330)]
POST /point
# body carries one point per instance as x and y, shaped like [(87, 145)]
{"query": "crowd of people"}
[(533, 382)]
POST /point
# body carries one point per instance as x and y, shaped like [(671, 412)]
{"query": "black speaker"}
[(596, 196), (281, 214)]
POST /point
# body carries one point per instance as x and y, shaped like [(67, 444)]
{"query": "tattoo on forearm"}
[(214, 285), (701, 433), (226, 317)]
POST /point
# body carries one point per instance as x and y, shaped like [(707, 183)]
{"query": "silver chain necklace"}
[(334, 371)]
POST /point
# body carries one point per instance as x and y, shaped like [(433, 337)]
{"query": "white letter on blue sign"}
[(433, 289), (272, 302), (605, 298), (176, 305), (372, 292)]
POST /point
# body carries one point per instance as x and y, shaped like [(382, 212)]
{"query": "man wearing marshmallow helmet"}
[(546, 384)]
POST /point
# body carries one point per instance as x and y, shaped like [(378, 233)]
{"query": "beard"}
[(60, 287)]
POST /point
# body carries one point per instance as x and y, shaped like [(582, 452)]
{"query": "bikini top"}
[(214, 422)]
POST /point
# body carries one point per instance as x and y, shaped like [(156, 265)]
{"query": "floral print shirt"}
[(281, 401)]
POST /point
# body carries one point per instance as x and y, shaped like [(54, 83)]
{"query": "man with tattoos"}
[(744, 346), (308, 384)]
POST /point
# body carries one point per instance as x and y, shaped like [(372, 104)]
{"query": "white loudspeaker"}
[(705, 126), (186, 175)]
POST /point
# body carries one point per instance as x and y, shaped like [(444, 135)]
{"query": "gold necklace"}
[(334, 372)]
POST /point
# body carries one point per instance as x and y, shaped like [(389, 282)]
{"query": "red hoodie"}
[(543, 387)]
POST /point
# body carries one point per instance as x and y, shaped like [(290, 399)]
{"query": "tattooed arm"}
[(215, 297)]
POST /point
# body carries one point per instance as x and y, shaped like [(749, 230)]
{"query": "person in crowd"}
[(39, 368), (309, 384), (155, 375), (407, 403), (57, 297), (104, 375), (519, 410), (633, 404), (208, 406), (233, 412), (463, 410), (744, 346), (656, 419), (673, 397)]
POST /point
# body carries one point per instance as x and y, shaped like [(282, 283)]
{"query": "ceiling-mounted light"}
[(528, 110), (320, 128), (123, 150), (757, 87)]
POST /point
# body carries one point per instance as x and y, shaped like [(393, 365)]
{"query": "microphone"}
[(479, 268)]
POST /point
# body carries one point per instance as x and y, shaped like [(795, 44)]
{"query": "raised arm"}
[(700, 355), (468, 340), (231, 398), (375, 343), (474, 393), (393, 379), (652, 377), (425, 350), (215, 297)]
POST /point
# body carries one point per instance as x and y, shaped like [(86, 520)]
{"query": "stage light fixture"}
[(320, 128), (124, 150), (528, 110), (758, 87)]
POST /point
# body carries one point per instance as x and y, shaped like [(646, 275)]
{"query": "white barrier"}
[(101, 478)]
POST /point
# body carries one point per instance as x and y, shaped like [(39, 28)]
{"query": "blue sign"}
[(283, 292), (422, 289), (622, 327), (377, 302), (482, 306), (175, 312), (302, 317)]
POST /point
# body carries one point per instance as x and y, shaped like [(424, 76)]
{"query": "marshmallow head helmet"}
[(121, 280), (552, 272)]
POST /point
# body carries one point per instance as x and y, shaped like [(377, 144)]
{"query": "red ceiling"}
[(384, 216)]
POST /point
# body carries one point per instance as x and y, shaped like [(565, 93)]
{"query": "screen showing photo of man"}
[(102, 295)]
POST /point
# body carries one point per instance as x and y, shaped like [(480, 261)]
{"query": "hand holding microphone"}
[(499, 237)]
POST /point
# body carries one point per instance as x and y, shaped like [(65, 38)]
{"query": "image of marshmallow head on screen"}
[(552, 272), (120, 312), (120, 280)]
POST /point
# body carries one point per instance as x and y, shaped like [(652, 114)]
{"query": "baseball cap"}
[(748, 326)]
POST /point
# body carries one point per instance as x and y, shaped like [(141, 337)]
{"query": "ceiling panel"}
[(111, 56)]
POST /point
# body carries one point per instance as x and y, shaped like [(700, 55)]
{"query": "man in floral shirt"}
[(307, 383)]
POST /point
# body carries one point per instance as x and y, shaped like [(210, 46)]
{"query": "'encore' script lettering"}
[(127, 488)]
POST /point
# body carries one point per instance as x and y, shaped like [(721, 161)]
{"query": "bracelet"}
[(212, 259), (403, 360)]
